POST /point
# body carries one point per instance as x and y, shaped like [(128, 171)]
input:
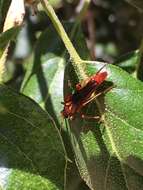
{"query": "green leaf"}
[(109, 154), (6, 36), (128, 61), (31, 150)]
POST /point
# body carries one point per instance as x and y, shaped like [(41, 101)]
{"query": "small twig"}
[(91, 31), (140, 62), (82, 9)]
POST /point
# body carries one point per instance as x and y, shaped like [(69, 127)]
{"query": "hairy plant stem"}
[(76, 61)]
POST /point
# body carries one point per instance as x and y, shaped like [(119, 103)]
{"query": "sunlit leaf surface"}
[(30, 145), (109, 154)]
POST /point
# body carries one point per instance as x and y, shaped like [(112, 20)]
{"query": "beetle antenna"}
[(101, 68)]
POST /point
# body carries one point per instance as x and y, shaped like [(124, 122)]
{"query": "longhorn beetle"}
[(85, 92)]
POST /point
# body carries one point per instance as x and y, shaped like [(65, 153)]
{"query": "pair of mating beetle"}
[(83, 94)]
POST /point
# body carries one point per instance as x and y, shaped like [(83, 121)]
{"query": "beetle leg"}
[(89, 117), (93, 96)]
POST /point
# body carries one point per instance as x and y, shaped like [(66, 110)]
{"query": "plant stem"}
[(140, 62), (82, 9), (77, 62)]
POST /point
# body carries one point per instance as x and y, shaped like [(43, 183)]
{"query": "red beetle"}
[(83, 94)]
